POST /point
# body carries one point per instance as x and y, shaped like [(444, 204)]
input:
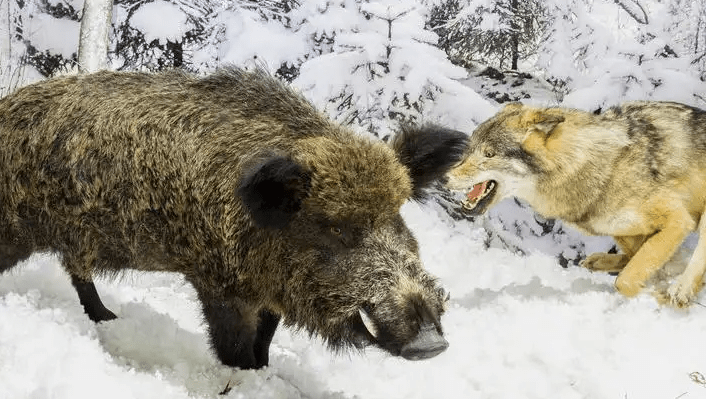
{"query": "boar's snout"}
[(406, 327), (427, 344)]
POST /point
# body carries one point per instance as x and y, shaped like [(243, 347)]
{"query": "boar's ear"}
[(273, 191), (428, 152)]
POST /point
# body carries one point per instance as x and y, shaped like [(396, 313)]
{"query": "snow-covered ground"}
[(518, 327)]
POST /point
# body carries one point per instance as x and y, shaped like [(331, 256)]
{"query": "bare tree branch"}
[(634, 9)]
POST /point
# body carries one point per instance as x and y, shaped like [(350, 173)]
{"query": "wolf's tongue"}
[(477, 190)]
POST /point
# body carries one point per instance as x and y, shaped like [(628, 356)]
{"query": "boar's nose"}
[(427, 344)]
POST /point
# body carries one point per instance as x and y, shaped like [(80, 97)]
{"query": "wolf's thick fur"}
[(636, 172), (234, 180)]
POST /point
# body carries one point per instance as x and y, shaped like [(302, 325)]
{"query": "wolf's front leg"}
[(656, 250), (685, 287)]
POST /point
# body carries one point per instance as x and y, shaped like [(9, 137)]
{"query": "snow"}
[(172, 25), (60, 36), (518, 327), (248, 38)]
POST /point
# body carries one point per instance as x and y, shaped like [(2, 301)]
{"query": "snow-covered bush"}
[(501, 33), (604, 52), (383, 66), (37, 39)]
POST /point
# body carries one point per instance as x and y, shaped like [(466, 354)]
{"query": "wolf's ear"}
[(428, 152), (539, 125), (273, 191), (541, 121)]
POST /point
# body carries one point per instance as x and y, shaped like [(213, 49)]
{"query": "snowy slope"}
[(518, 327), (508, 86)]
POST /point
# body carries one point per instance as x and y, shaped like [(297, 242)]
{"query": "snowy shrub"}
[(496, 32), (39, 38), (604, 53), (141, 44), (383, 64)]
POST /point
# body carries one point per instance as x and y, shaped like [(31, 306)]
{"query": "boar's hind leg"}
[(21, 248), (239, 338), (11, 254), (92, 304)]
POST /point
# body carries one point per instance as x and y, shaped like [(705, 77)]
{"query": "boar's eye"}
[(343, 234), (489, 153)]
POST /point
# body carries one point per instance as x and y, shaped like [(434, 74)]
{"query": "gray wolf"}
[(636, 172), (269, 209)]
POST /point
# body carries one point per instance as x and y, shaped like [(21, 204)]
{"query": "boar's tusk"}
[(368, 322)]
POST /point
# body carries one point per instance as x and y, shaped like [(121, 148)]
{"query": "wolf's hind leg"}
[(685, 287), (604, 262), (656, 250), (612, 263)]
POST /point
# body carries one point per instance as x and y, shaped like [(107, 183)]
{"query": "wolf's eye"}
[(489, 153), (336, 230)]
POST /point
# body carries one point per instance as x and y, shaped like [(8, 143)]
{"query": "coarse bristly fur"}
[(636, 172), (267, 207)]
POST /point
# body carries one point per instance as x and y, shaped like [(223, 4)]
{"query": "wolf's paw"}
[(682, 291), (604, 262), (628, 287), (662, 297)]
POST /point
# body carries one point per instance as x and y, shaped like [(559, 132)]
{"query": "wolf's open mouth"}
[(478, 194)]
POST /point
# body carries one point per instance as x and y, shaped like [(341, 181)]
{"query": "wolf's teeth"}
[(469, 205), (488, 188)]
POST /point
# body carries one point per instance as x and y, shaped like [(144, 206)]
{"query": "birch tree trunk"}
[(93, 41), (515, 35)]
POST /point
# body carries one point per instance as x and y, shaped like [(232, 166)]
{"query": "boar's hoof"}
[(427, 344), (92, 304)]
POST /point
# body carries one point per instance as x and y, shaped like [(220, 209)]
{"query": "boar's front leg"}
[(265, 331), (239, 336), (92, 304)]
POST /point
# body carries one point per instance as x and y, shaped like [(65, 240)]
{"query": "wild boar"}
[(235, 180)]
